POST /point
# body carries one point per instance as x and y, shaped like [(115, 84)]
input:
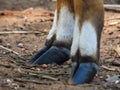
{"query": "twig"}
[(9, 50), (112, 7), (25, 80), (7, 66), (49, 77), (107, 68), (35, 72), (112, 18), (42, 75), (19, 32), (18, 54), (114, 23)]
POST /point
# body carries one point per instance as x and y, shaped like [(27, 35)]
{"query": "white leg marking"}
[(88, 40), (65, 25), (54, 27), (76, 35)]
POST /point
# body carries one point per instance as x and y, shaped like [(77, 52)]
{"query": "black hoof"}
[(53, 55), (38, 54), (84, 73)]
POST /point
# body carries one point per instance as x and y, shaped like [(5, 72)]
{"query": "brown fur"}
[(62, 3), (84, 10)]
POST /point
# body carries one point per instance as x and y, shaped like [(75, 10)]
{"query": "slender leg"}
[(49, 40), (52, 34), (86, 40), (59, 38), (84, 60)]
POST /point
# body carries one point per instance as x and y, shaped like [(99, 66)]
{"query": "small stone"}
[(44, 65), (23, 49), (34, 50), (8, 81), (38, 69), (20, 45), (4, 52), (108, 76), (36, 46), (117, 81), (8, 45), (33, 68)]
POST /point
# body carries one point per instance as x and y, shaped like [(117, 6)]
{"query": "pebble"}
[(44, 65), (8, 45), (38, 69), (35, 69), (8, 81), (20, 45), (23, 49)]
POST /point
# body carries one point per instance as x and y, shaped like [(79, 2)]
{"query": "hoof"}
[(83, 73), (38, 54), (53, 55)]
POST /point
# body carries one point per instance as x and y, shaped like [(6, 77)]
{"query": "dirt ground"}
[(24, 31)]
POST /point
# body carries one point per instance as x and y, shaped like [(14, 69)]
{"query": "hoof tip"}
[(84, 73), (52, 55)]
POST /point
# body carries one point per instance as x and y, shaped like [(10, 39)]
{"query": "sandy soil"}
[(15, 33)]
